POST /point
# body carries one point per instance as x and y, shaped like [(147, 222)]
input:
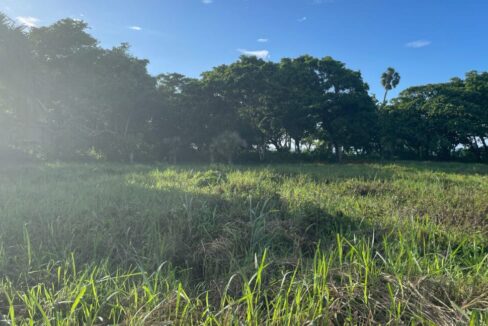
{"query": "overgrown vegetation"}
[(216, 245)]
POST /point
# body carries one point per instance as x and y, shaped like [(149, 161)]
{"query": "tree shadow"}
[(205, 230), (214, 235), (199, 230)]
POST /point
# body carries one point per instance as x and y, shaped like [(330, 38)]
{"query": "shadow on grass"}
[(214, 236), (206, 236)]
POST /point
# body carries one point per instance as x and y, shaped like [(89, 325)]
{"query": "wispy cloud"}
[(27, 21), (302, 19), (135, 28), (418, 44), (262, 40), (261, 54), (207, 2)]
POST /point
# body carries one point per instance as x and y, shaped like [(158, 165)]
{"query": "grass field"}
[(351, 244)]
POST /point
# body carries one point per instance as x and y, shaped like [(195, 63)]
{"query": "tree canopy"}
[(64, 97)]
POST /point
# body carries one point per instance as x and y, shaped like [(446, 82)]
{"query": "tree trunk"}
[(485, 146), (476, 149), (445, 154), (384, 98), (421, 153), (338, 150), (277, 145), (297, 145), (261, 152)]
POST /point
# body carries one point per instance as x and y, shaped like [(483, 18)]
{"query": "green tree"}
[(345, 111), (19, 80), (247, 87), (298, 87), (93, 98), (433, 120), (476, 84), (389, 80)]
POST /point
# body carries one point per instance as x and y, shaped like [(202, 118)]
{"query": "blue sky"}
[(425, 40)]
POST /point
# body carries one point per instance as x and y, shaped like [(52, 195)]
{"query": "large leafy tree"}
[(19, 80), (433, 120), (297, 90), (65, 53), (346, 112), (476, 84), (126, 94), (191, 114), (248, 87), (93, 98)]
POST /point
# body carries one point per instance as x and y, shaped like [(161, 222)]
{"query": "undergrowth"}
[(217, 245)]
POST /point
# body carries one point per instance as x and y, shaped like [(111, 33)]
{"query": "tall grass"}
[(218, 245)]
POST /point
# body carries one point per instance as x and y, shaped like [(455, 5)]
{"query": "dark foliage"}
[(63, 97)]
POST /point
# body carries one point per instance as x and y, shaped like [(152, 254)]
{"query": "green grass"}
[(103, 244)]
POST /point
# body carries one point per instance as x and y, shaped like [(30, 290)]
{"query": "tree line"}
[(64, 97)]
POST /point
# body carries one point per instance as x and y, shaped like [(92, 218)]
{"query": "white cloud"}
[(260, 54), (418, 44), (207, 2), (136, 28), (27, 21), (262, 40), (301, 20)]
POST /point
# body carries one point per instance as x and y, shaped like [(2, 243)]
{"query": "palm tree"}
[(389, 79)]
